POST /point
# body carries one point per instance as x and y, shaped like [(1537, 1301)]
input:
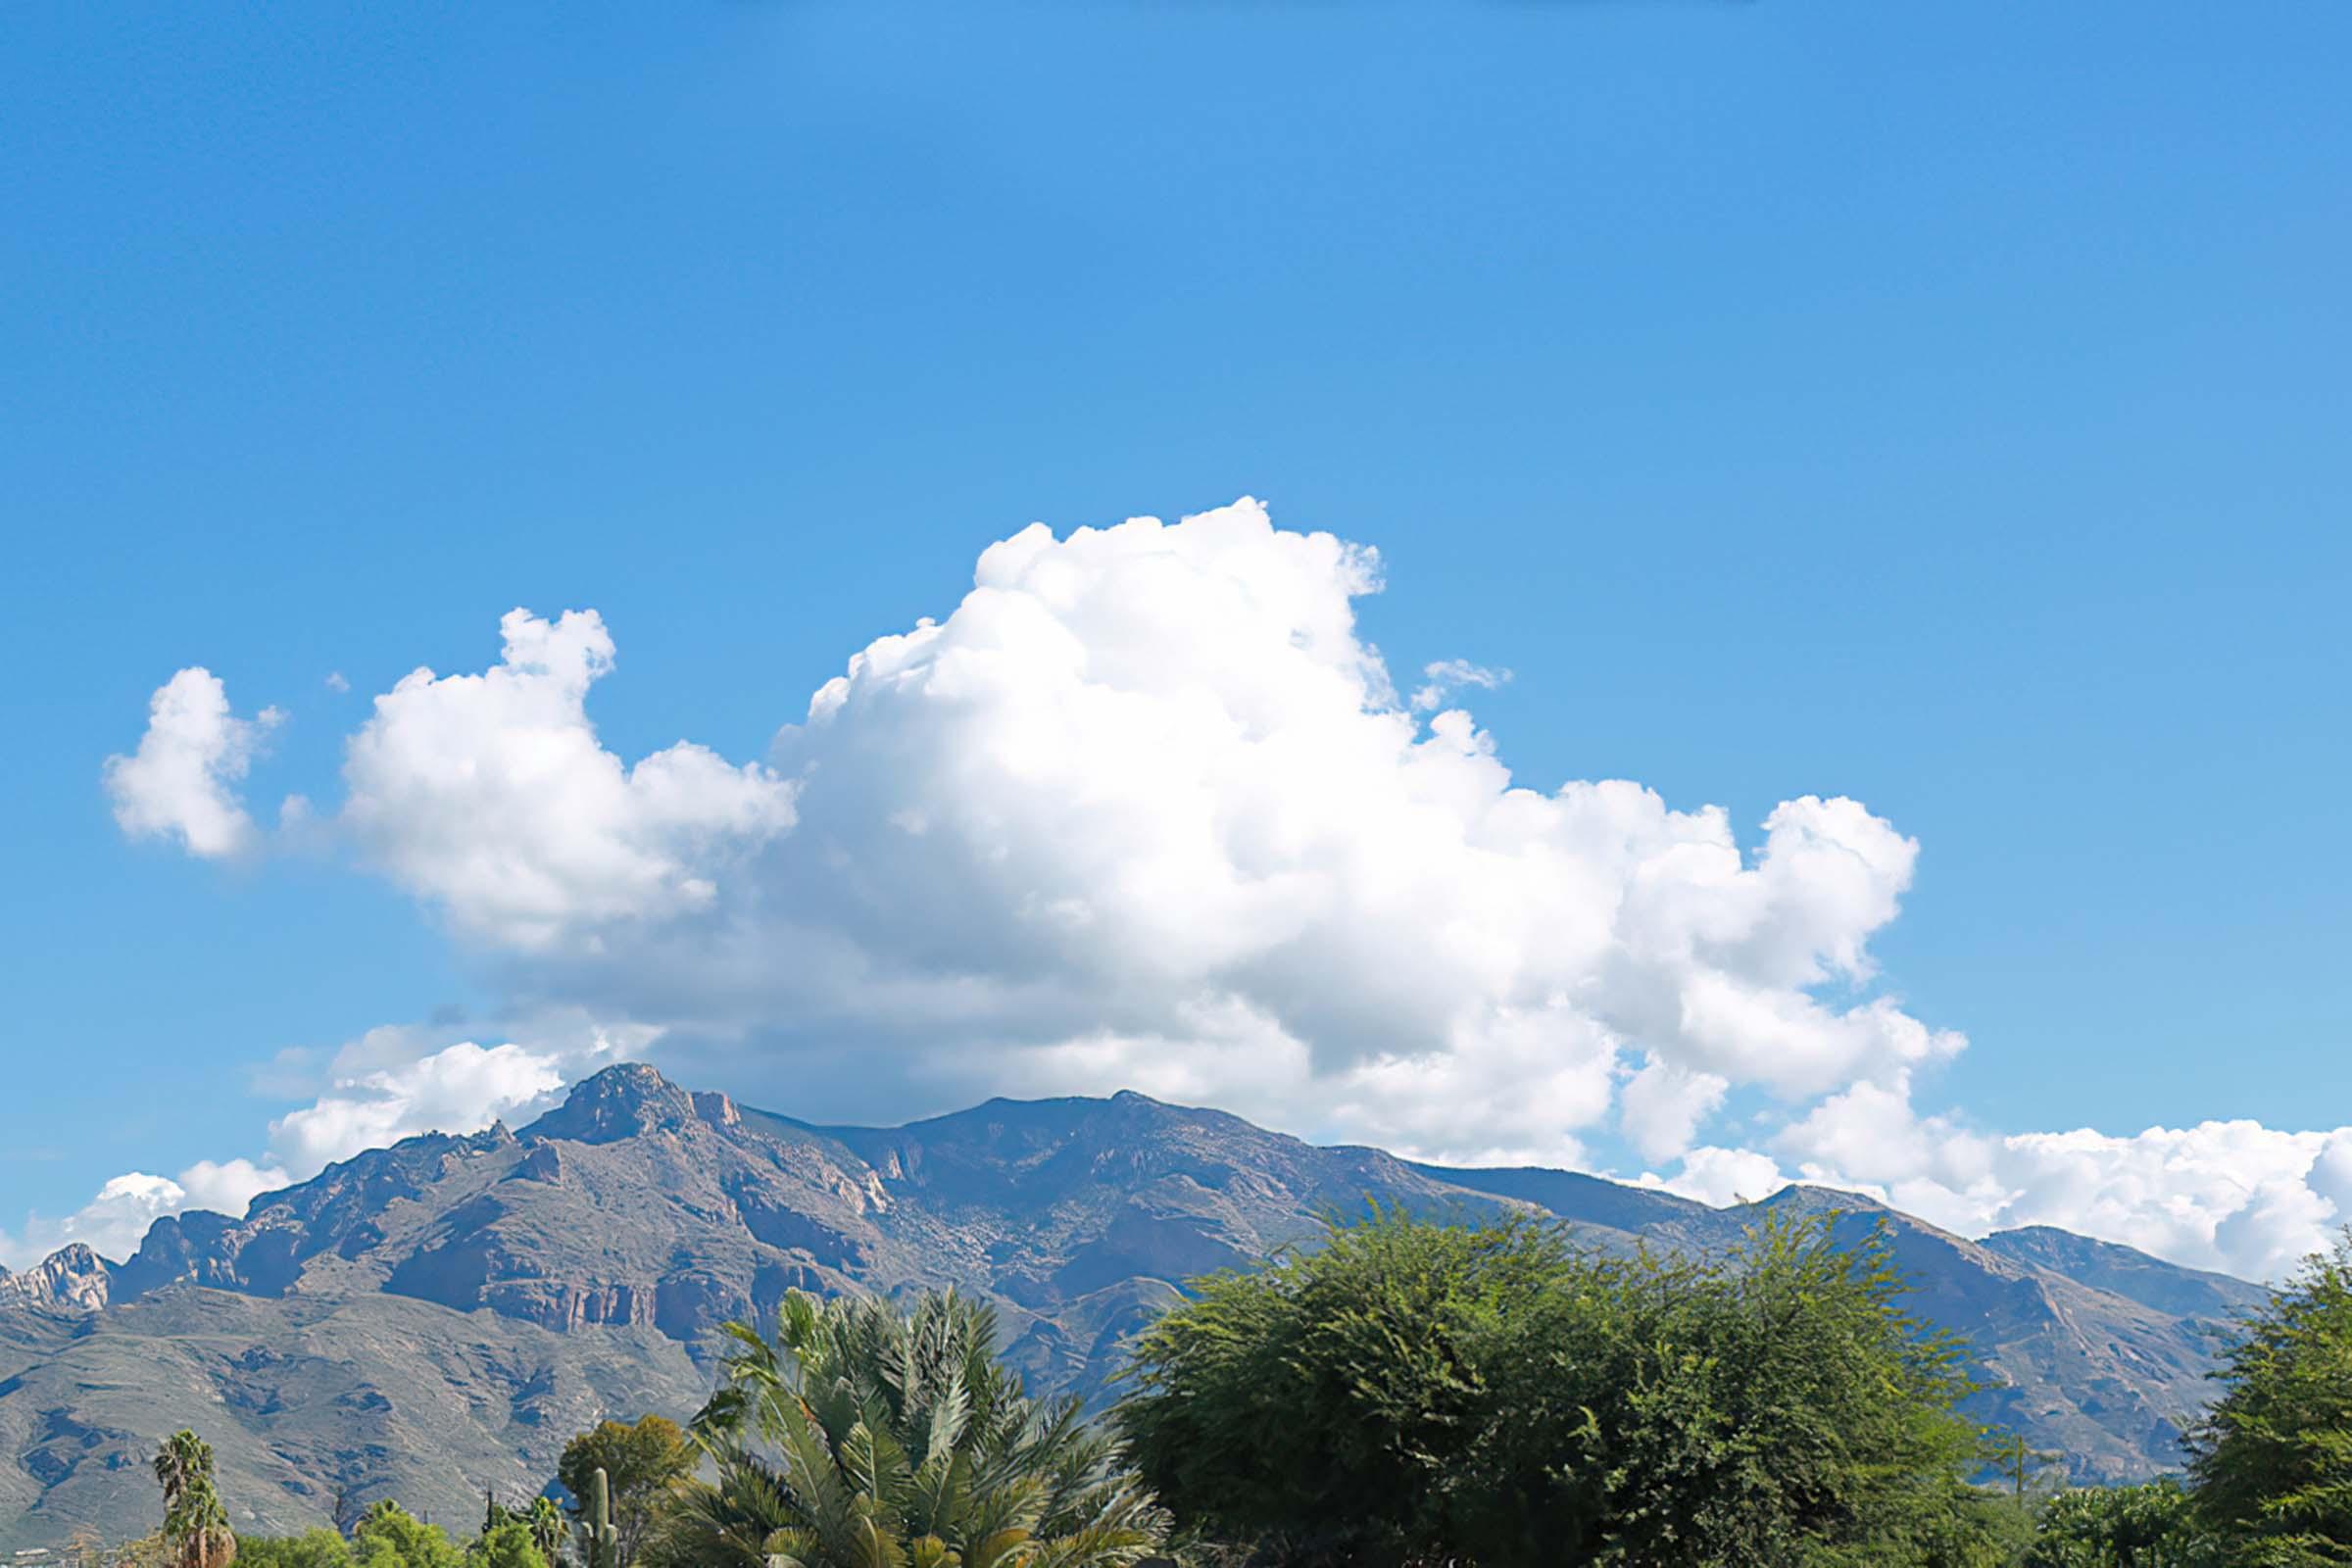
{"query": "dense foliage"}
[(642, 1463), (390, 1537), (2150, 1526), (2272, 1459), (865, 1437), (313, 1548), (1421, 1394)]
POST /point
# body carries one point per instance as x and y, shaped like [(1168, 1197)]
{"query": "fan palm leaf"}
[(862, 1436)]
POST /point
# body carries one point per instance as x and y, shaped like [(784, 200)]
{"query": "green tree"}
[(1412, 1392), (862, 1437), (313, 1548), (507, 1544), (2154, 1525), (2271, 1461), (196, 1531), (642, 1463), (388, 1535)]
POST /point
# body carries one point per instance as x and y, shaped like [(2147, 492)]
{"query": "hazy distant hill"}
[(436, 1317)]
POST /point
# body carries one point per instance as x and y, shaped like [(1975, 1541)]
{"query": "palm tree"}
[(195, 1524), (182, 1458), (862, 1438)]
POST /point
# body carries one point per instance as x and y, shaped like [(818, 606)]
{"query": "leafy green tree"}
[(507, 1545), (313, 1548), (2154, 1525), (2271, 1461), (862, 1438), (1326, 1404), (642, 1463), (1412, 1392), (196, 1533), (388, 1535)]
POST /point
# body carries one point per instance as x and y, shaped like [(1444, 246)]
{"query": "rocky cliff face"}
[(73, 1277), (596, 1251)]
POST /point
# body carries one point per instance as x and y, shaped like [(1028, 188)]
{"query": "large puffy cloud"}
[(460, 1089), (183, 781), (1145, 809)]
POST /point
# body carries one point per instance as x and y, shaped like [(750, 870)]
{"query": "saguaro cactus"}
[(599, 1543)]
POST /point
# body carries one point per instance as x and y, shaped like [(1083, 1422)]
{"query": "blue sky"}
[(1939, 407)]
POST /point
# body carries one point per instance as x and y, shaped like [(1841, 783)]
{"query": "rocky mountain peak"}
[(72, 1277), (625, 1101)]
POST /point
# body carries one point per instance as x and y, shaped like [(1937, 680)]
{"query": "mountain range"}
[(435, 1319)]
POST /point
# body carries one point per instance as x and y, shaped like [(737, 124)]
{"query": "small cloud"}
[(182, 780), (1448, 675), (335, 681)]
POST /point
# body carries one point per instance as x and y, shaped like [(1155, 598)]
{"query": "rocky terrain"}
[(436, 1318)]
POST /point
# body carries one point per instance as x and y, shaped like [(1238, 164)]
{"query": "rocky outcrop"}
[(630, 1100), (73, 1278)]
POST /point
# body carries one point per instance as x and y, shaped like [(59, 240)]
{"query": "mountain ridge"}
[(493, 1286)]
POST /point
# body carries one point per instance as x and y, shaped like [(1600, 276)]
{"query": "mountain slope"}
[(437, 1317)]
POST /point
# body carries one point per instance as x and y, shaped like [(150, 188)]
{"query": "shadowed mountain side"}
[(389, 1397), (437, 1316)]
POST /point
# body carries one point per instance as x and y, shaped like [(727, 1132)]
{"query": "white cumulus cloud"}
[(182, 780), (2232, 1196), (459, 1089), (115, 1221), (1724, 1176), (491, 795), (1664, 1106), (1144, 809)]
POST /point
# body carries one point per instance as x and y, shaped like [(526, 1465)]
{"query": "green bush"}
[(388, 1535), (2150, 1526), (507, 1545), (1412, 1392), (313, 1548)]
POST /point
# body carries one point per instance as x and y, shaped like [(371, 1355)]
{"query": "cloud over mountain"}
[(1146, 810)]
